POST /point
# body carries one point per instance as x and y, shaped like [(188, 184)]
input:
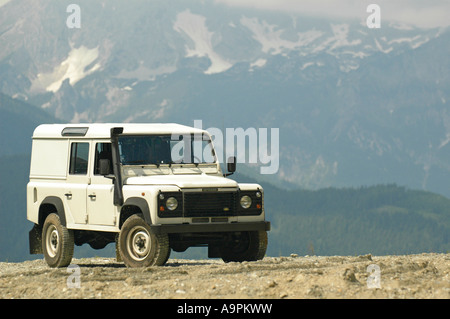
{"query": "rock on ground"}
[(422, 276)]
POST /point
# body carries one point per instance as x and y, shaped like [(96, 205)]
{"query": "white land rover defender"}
[(149, 188)]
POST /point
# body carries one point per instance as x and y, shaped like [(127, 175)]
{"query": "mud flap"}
[(213, 251), (35, 240)]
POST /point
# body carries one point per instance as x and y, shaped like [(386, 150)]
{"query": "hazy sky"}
[(420, 13)]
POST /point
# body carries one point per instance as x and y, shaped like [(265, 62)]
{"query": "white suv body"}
[(148, 187)]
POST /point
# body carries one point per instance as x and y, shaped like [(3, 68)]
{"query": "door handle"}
[(68, 195), (92, 196)]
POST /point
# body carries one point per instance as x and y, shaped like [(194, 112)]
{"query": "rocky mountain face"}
[(354, 106)]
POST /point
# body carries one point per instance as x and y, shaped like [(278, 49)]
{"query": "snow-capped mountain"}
[(137, 41), (355, 106)]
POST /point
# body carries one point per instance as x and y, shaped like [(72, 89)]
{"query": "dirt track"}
[(411, 276)]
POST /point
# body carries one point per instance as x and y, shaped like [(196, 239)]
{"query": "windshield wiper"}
[(134, 162)]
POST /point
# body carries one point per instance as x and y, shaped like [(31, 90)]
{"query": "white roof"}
[(103, 130)]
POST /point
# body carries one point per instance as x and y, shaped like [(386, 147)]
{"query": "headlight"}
[(246, 201), (172, 203)]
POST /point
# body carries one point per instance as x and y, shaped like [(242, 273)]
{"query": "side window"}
[(79, 156), (102, 151)]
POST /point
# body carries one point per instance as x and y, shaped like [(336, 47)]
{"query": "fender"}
[(57, 202), (142, 204)]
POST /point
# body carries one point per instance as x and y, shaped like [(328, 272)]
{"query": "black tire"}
[(246, 246), (57, 242), (138, 247), (118, 256)]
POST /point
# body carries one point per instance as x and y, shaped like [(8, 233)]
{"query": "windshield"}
[(165, 149)]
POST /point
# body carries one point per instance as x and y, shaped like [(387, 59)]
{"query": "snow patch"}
[(414, 42), (380, 47), (445, 141), (270, 38), (20, 96), (401, 26), (419, 43), (307, 64), (258, 64), (193, 25), (3, 2), (340, 32), (74, 68), (359, 54)]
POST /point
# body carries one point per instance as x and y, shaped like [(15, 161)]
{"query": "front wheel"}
[(138, 247), (57, 242), (245, 246)]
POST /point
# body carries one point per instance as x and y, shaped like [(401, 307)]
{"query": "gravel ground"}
[(423, 276)]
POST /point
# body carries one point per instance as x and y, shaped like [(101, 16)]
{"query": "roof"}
[(103, 130)]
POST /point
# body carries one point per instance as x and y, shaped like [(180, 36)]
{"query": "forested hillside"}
[(17, 122), (383, 219), (14, 227)]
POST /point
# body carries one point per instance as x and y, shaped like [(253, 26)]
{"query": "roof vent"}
[(74, 131)]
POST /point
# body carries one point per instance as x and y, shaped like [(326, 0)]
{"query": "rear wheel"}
[(138, 247), (245, 246), (57, 242)]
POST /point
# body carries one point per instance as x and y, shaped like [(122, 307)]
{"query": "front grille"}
[(210, 204)]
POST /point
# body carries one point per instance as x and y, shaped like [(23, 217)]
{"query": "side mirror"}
[(231, 165), (104, 167)]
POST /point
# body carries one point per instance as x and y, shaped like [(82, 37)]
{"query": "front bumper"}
[(209, 228)]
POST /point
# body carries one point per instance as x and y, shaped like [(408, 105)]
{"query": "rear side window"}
[(79, 156)]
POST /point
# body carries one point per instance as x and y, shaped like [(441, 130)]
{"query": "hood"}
[(182, 181)]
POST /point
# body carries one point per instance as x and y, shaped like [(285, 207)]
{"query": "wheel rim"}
[(52, 241), (139, 243)]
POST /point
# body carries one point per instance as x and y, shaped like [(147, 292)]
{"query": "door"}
[(77, 182), (100, 192)]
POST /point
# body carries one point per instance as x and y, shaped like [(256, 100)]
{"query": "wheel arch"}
[(51, 204), (135, 205)]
